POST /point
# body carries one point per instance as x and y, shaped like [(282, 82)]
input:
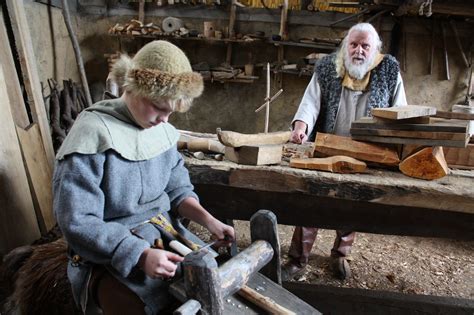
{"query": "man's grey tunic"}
[(99, 197)]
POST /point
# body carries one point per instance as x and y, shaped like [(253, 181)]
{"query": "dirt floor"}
[(413, 265)]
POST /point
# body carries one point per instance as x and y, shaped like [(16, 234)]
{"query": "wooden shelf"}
[(201, 39), (308, 45)]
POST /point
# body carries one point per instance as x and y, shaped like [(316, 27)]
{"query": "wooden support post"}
[(432, 46), (267, 109), (264, 226), (141, 11), (202, 282), (283, 21), (235, 273)]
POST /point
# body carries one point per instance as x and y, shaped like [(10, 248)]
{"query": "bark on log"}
[(428, 163)]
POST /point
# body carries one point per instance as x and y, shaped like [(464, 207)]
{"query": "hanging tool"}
[(445, 49)]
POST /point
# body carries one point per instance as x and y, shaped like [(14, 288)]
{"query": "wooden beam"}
[(24, 45), (332, 300), (18, 220), (404, 112)]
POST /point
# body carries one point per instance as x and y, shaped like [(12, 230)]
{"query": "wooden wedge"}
[(428, 163)]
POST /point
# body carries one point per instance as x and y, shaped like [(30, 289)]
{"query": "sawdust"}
[(414, 265)]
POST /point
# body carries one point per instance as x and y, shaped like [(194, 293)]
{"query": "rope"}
[(427, 4)]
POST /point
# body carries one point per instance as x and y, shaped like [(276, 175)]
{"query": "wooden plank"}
[(404, 112), (29, 68), (435, 125), (255, 155), (460, 157), (39, 174), (18, 108), (452, 115), (336, 145), (413, 120), (426, 142), (409, 134), (428, 163), (335, 164), (333, 300), (17, 216)]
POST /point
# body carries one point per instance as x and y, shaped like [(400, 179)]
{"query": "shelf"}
[(201, 39), (308, 45)]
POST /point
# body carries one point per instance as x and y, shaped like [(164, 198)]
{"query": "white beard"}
[(358, 71)]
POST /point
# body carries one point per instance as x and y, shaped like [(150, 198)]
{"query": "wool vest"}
[(383, 81)]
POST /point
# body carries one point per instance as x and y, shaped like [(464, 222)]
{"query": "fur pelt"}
[(41, 285)]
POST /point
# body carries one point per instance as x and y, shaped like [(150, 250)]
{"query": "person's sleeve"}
[(179, 185), (399, 97), (79, 208), (310, 104)]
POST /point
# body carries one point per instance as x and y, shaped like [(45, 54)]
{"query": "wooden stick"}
[(141, 11), (271, 100), (445, 51), (458, 42), (283, 20), (267, 111), (264, 302), (77, 52), (432, 46)]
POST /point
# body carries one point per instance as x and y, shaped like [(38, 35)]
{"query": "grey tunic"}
[(99, 197)]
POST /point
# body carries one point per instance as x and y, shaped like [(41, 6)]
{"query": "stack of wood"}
[(253, 149), (64, 106), (344, 155), (410, 125), (135, 27)]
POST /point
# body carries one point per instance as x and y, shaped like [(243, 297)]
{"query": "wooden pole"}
[(77, 52), (263, 301), (141, 11), (267, 109), (445, 51), (263, 226), (283, 21), (202, 282), (235, 273)]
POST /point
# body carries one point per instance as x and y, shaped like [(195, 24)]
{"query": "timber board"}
[(425, 142), (409, 134), (435, 125)]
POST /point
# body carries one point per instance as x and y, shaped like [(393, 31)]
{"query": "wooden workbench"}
[(379, 201)]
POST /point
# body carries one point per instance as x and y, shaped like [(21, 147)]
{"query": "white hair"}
[(342, 52)]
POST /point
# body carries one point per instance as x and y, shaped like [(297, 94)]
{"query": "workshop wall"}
[(231, 105)]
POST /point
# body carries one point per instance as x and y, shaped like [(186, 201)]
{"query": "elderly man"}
[(345, 86)]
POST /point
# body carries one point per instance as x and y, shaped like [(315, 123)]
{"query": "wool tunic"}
[(99, 198)]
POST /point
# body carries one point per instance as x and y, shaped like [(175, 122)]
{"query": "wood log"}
[(255, 155), (235, 273), (264, 302), (329, 144), (202, 282), (235, 139), (336, 164), (404, 112), (206, 145), (264, 226), (428, 163)]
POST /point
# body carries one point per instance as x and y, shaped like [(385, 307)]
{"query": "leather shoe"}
[(340, 268), (290, 271)]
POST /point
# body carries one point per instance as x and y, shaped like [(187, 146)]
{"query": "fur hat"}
[(158, 70)]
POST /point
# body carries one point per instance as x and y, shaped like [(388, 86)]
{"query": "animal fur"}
[(41, 285)]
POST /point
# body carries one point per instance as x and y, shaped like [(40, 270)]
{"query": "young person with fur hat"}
[(118, 168)]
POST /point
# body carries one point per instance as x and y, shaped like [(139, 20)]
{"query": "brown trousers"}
[(303, 240), (112, 296)]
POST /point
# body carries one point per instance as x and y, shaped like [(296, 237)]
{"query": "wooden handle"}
[(264, 302)]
